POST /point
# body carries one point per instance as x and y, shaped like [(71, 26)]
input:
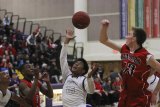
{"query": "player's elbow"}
[(103, 41)]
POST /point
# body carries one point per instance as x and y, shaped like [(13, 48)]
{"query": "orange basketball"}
[(81, 20)]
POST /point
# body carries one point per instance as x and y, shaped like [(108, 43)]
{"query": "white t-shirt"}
[(73, 93), (4, 99), (75, 89), (153, 81)]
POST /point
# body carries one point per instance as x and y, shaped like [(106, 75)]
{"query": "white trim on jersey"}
[(4, 99)]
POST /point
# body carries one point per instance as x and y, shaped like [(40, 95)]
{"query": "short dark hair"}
[(140, 34), (85, 65)]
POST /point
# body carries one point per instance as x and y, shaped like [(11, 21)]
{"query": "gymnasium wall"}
[(56, 14)]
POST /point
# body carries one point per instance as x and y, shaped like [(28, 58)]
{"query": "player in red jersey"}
[(31, 89), (136, 67)]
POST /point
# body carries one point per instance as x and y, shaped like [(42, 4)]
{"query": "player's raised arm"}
[(104, 37), (154, 64), (63, 56)]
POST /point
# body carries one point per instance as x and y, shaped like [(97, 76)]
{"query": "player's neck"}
[(28, 78), (134, 47), (74, 75)]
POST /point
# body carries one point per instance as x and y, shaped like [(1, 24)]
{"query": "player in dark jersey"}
[(136, 67), (29, 87)]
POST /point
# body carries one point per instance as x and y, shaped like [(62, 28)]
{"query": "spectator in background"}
[(6, 20), (31, 41), (117, 84), (54, 72), (100, 71), (0, 21), (14, 83), (100, 96), (113, 75), (6, 95), (6, 23), (58, 51), (112, 94)]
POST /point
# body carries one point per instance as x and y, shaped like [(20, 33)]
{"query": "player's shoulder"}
[(82, 77)]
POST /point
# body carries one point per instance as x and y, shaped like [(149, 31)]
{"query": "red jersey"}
[(36, 98), (135, 73)]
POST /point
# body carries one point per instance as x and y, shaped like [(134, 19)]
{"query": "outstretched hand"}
[(105, 22), (36, 73), (94, 69), (69, 36), (45, 77)]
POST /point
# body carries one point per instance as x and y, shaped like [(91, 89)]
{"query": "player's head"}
[(136, 35), (80, 67), (140, 35), (4, 78), (27, 70)]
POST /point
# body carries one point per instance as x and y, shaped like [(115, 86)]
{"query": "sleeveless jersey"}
[(73, 93), (135, 70), (36, 98)]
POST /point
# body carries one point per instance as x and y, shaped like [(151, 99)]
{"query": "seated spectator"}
[(99, 97), (112, 94), (14, 82), (54, 73), (13, 87), (113, 75), (117, 84)]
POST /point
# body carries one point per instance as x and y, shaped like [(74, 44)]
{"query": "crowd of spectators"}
[(17, 48), (107, 89)]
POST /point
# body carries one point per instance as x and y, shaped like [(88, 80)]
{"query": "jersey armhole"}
[(83, 84), (67, 77), (148, 57)]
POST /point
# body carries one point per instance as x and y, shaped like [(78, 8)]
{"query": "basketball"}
[(81, 20)]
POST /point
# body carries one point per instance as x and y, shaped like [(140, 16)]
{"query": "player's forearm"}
[(49, 90), (90, 74), (63, 62), (103, 34), (91, 86), (21, 101)]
